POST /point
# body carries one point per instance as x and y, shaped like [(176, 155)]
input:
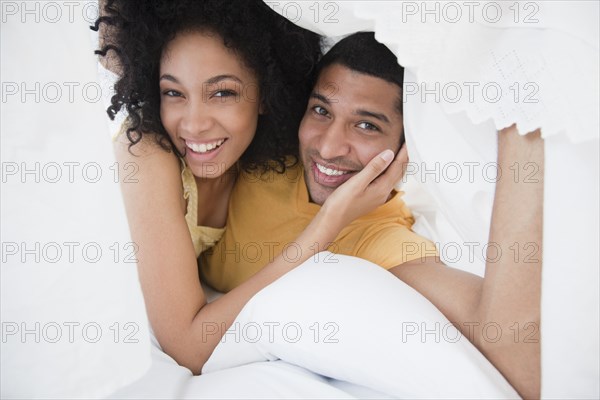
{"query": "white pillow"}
[(348, 319)]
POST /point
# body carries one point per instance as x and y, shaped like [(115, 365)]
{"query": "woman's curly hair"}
[(282, 55)]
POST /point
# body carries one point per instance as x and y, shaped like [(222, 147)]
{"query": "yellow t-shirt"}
[(268, 212)]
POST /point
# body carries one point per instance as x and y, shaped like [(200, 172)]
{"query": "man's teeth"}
[(329, 171), (204, 147)]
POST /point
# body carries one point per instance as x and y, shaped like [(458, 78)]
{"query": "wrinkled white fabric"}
[(544, 59)]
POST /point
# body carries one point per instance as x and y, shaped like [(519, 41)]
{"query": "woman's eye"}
[(368, 126), (224, 93), (172, 93), (320, 110)]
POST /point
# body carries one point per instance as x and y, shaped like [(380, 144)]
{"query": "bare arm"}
[(509, 295), (188, 328)]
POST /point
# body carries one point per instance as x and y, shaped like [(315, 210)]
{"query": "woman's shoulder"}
[(148, 151), (150, 168)]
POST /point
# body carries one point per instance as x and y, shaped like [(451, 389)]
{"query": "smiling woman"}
[(211, 88), (209, 102), (139, 40), (207, 90)]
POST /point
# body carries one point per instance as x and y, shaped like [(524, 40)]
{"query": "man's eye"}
[(320, 110), (368, 126)]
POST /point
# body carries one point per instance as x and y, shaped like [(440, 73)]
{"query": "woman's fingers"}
[(395, 171), (368, 189), (402, 157), (373, 169), (373, 174)]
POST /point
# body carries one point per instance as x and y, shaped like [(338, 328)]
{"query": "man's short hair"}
[(360, 52)]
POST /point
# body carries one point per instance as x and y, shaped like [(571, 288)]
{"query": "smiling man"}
[(350, 118), (354, 112)]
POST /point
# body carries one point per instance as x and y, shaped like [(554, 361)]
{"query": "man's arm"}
[(508, 297)]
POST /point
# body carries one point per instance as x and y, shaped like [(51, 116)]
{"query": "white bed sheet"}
[(259, 380)]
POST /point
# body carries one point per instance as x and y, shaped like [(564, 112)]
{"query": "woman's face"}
[(209, 102)]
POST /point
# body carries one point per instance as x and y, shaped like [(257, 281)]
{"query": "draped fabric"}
[(473, 68)]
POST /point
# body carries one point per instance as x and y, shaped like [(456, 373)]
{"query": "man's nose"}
[(196, 118), (334, 142)]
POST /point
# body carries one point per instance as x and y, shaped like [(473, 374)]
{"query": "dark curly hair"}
[(282, 55)]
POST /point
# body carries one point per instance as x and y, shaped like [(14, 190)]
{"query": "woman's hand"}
[(367, 190)]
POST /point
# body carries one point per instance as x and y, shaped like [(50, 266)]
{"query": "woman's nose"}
[(197, 118)]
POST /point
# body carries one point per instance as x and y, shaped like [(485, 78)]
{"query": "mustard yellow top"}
[(203, 237), (268, 212)]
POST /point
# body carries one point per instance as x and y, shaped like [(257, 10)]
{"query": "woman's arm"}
[(358, 196), (507, 299), (183, 322)]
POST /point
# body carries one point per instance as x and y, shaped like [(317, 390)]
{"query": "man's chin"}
[(318, 193), (319, 186)]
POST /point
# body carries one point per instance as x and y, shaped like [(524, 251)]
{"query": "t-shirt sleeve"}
[(393, 245)]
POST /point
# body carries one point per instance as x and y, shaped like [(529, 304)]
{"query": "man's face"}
[(351, 117)]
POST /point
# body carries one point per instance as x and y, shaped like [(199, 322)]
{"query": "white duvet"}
[(75, 327), (335, 327)]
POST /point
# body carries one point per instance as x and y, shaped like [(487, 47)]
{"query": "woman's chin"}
[(209, 170)]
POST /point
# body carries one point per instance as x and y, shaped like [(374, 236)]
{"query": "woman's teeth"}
[(204, 147), (329, 171)]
